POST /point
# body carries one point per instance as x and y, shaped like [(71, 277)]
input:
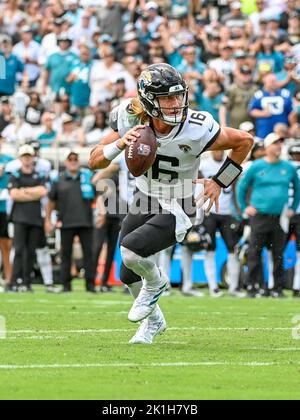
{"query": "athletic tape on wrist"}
[(111, 151)]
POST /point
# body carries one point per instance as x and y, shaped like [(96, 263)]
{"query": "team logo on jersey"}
[(185, 148)]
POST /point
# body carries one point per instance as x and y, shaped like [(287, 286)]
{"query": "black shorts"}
[(4, 226), (228, 227), (146, 234), (295, 229)]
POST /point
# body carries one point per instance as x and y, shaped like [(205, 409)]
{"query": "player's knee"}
[(130, 258)]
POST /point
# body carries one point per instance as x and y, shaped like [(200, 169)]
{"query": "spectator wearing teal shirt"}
[(59, 66), (289, 77), (192, 70), (268, 55), (5, 243), (79, 78), (48, 136), (268, 181), (13, 66), (212, 99)]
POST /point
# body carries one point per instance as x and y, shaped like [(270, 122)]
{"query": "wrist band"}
[(111, 151), (228, 173)]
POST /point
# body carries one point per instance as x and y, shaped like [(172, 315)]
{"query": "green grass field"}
[(75, 347)]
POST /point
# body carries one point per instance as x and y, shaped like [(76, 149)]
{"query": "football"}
[(140, 155)]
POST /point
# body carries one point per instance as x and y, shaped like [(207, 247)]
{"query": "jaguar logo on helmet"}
[(163, 80)]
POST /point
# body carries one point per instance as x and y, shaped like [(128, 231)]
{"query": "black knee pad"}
[(127, 276)]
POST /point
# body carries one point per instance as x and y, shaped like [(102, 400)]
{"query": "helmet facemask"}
[(163, 81)]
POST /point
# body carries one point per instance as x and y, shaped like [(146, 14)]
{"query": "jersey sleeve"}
[(210, 131), (121, 119), (113, 119)]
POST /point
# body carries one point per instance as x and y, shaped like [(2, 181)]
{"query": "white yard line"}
[(146, 365), (118, 330)]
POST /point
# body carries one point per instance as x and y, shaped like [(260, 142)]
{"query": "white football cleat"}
[(152, 326), (216, 294), (146, 301), (193, 293)]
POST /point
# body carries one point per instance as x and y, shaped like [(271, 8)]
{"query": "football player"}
[(166, 190)]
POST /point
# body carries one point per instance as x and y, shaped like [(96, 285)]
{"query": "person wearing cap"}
[(49, 42), (74, 11), (294, 154), (13, 66), (268, 181), (59, 65), (28, 51), (155, 20), (27, 189), (72, 195), (270, 106), (234, 110), (235, 18)]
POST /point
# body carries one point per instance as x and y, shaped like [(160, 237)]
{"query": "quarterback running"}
[(164, 207)]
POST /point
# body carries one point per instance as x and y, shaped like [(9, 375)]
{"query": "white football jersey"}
[(209, 167), (178, 154)]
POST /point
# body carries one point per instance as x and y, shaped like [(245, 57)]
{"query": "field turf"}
[(75, 347)]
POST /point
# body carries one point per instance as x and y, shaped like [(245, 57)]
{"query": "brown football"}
[(141, 154)]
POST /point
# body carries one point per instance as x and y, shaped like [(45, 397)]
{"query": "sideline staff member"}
[(72, 195), (27, 188)]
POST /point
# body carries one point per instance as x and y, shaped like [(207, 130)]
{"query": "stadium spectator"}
[(267, 54), (97, 128), (270, 106), (212, 99), (5, 242), (72, 195), (237, 98), (225, 65), (58, 67), (27, 188), (29, 52), (6, 110), (13, 66), (269, 180), (34, 111), (79, 78), (70, 135), (294, 154), (48, 134), (102, 72)]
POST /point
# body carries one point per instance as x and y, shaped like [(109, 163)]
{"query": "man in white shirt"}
[(28, 51)]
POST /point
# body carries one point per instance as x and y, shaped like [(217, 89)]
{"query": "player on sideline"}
[(182, 135)]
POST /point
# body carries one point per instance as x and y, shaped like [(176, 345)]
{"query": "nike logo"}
[(211, 128)]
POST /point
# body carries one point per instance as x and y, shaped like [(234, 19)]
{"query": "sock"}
[(271, 282), (135, 288), (186, 264), (210, 270), (165, 260), (233, 268), (45, 264), (143, 267), (296, 285)]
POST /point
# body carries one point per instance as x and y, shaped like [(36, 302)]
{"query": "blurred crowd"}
[(65, 65)]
